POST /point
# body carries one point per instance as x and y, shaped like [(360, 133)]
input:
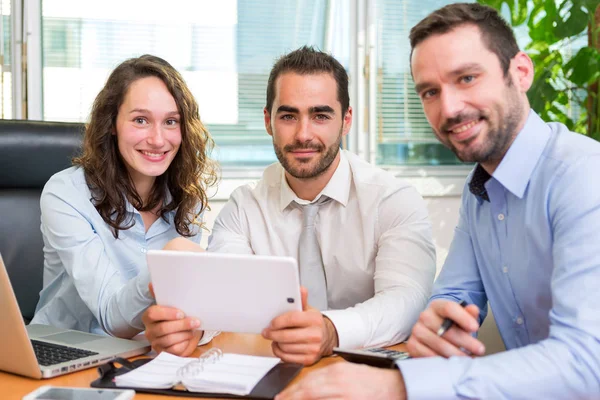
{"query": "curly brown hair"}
[(188, 177)]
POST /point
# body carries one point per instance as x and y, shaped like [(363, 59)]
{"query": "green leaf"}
[(562, 98), (538, 47), (547, 65), (519, 13), (497, 4), (559, 116), (590, 5), (541, 21), (583, 68), (538, 94), (576, 22), (518, 9), (560, 82)]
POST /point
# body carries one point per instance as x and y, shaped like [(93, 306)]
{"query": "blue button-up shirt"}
[(92, 281), (533, 251)]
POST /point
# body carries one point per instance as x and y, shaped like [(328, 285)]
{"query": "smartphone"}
[(69, 393), (375, 357)]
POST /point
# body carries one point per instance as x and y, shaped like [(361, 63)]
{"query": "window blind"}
[(223, 49), (403, 135), (5, 61)]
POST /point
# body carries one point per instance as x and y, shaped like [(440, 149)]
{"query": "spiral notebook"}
[(213, 372)]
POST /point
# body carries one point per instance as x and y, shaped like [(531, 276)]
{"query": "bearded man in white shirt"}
[(375, 261)]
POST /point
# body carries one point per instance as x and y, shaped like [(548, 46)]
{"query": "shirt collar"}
[(516, 168), (168, 198), (338, 187)]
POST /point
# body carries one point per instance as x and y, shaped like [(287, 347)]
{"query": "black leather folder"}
[(268, 387)]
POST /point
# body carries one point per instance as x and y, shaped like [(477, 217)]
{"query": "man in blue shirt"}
[(527, 240)]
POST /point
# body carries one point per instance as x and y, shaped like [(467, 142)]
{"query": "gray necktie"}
[(312, 273)]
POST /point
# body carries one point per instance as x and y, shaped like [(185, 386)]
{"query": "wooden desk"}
[(15, 387)]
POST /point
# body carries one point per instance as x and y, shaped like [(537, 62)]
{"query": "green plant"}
[(565, 87)]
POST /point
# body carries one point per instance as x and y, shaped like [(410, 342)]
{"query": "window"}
[(5, 61), (403, 135), (224, 49)]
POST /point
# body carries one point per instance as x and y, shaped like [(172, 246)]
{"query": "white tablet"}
[(226, 292)]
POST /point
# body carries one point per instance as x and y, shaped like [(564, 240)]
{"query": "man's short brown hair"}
[(496, 34), (306, 61)]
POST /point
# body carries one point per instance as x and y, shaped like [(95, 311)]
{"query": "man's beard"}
[(499, 138), (326, 157)]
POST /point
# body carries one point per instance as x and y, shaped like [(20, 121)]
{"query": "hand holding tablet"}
[(226, 292)]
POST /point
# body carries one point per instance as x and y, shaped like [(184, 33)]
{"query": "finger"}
[(300, 348), (296, 335), (431, 320), (156, 313), (296, 319), (194, 342), (293, 358), (462, 339), (170, 327), (178, 349), (459, 338), (417, 349), (437, 344), (458, 314), (151, 288), (164, 342), (304, 297), (186, 348), (473, 310)]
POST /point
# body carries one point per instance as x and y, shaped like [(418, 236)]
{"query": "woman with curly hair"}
[(139, 183)]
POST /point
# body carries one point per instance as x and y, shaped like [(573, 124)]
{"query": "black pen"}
[(447, 324)]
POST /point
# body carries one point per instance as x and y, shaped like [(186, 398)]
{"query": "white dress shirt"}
[(375, 240)]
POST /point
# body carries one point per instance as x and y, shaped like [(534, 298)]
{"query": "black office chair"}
[(30, 153)]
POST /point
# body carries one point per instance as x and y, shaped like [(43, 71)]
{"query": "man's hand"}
[(345, 380), (457, 341), (167, 329), (301, 337)]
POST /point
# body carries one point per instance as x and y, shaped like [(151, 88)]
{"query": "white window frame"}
[(33, 41), (16, 65), (432, 181)]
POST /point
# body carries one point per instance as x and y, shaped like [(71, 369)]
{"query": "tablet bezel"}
[(226, 292)]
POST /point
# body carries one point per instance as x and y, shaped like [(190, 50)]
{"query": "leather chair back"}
[(30, 153)]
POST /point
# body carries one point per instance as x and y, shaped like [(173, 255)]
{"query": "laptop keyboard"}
[(50, 354)]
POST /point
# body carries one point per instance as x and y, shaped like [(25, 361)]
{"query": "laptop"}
[(42, 351), (226, 292)]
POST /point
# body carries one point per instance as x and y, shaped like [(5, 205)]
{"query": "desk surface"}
[(15, 387)]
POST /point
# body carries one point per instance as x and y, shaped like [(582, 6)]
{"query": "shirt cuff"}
[(208, 337), (349, 326), (417, 372)]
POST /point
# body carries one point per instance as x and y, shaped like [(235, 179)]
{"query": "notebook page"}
[(160, 373), (233, 374)]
